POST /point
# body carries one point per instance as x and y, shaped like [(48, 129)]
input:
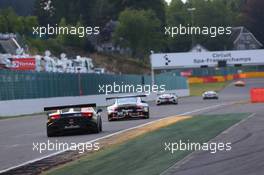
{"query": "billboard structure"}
[(209, 59), (26, 64), (166, 61)]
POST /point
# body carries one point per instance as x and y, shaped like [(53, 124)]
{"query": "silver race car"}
[(167, 98), (210, 95), (126, 107)]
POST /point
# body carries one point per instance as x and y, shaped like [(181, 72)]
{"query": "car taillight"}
[(55, 117), (139, 107), (87, 114), (114, 109)]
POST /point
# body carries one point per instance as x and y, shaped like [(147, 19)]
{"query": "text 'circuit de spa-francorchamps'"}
[(129, 87)]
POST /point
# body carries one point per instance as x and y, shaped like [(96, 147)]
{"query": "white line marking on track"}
[(190, 156), (242, 121), (116, 133)]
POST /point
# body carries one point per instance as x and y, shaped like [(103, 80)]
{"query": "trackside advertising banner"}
[(25, 64), (192, 60)]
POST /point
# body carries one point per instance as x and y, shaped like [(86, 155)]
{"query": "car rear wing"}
[(54, 108), (172, 93), (126, 96)]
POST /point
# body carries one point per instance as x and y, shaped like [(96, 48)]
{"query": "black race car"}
[(128, 107), (72, 118)]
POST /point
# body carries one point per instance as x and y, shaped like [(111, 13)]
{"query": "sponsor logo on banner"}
[(23, 64), (186, 73)]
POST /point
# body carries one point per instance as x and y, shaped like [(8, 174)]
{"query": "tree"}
[(253, 18), (213, 14), (29, 23), (177, 14), (11, 23), (139, 30), (9, 17), (45, 11), (210, 13), (157, 6), (3, 26), (89, 11), (23, 8)]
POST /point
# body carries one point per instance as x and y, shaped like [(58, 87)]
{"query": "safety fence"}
[(28, 85)]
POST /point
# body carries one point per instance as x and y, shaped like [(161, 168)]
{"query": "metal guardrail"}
[(29, 85)]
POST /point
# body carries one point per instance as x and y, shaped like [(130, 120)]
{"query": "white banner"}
[(198, 59)]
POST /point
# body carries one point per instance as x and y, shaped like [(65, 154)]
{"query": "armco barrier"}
[(30, 106), (257, 95), (31, 85)]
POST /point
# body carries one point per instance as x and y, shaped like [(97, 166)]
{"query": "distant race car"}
[(63, 119), (240, 83), (125, 107), (210, 95), (167, 98)]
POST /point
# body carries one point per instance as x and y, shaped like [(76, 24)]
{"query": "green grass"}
[(145, 155), (198, 89)]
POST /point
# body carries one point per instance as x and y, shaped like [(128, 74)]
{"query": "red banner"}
[(23, 64), (257, 95), (186, 73)]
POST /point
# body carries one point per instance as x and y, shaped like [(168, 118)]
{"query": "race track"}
[(247, 138), (17, 135)]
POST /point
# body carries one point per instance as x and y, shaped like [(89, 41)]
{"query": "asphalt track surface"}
[(18, 135), (247, 138)]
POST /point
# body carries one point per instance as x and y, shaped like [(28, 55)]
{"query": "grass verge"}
[(145, 154), (198, 89)]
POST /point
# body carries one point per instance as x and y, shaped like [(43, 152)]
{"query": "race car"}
[(240, 83), (210, 95), (63, 119), (167, 98), (126, 107)]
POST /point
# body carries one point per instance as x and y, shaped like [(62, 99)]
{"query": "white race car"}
[(125, 107), (167, 98), (240, 83), (210, 95)]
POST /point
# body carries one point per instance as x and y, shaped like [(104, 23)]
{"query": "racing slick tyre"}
[(147, 116), (50, 133), (99, 125), (110, 119)]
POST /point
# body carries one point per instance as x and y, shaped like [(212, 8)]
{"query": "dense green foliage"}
[(253, 18), (140, 24), (140, 31), (22, 7), (10, 22)]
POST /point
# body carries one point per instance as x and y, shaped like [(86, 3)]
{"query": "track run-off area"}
[(19, 134)]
